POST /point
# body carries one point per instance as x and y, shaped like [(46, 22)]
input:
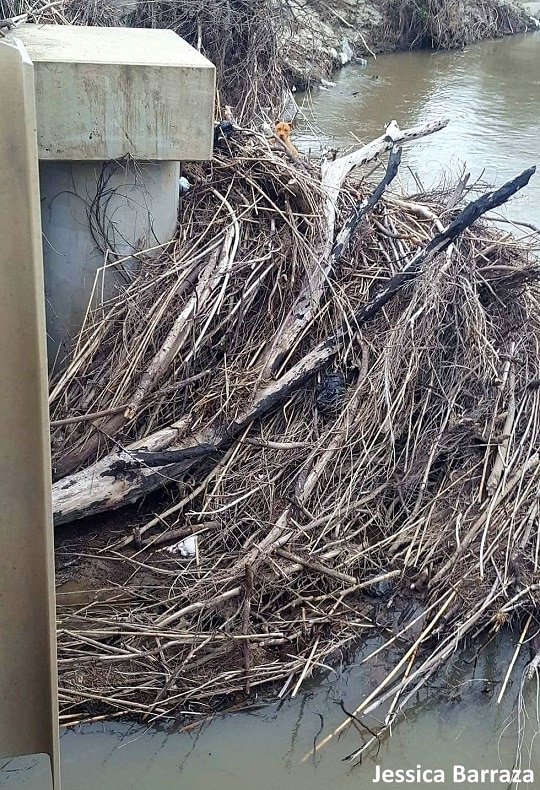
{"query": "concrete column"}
[(28, 685), (117, 110), (89, 209)]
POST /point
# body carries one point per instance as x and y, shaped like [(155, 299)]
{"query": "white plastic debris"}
[(183, 185), (186, 548), (327, 83), (346, 53)]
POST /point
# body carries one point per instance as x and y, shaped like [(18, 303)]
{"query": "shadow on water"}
[(490, 92)]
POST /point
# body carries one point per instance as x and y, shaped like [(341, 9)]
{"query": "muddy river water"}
[(491, 93)]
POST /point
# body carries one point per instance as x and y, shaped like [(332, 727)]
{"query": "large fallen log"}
[(114, 481), (126, 475)]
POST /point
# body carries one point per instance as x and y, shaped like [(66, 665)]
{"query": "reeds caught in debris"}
[(402, 467)]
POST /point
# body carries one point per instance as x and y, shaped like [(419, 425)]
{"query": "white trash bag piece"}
[(186, 548)]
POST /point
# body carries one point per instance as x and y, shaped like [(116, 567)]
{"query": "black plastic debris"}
[(330, 393), (222, 131), (381, 589)]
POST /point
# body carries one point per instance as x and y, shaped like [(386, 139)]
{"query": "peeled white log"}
[(334, 174), (110, 483)]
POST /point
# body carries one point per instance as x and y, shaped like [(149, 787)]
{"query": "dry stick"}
[(497, 470), (503, 449), (178, 506), (391, 717), (171, 617), (514, 659), (509, 605), (127, 705), (182, 532), (359, 33), (392, 674), (440, 655), (179, 332), (178, 387), (311, 292), (305, 670), (197, 607), (314, 565), (89, 719), (246, 610), (113, 425), (388, 719), (270, 397)]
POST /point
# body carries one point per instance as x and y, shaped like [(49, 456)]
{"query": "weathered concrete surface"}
[(28, 688), (88, 209), (105, 93), (106, 97)]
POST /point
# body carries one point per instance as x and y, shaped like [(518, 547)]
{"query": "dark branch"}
[(363, 207), (438, 244)]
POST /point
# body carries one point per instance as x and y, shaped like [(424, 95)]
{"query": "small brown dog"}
[(282, 130)]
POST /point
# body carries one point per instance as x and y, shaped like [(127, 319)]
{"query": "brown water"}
[(492, 95), (461, 724)]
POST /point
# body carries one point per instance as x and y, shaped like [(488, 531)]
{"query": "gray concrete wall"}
[(87, 209), (105, 93)]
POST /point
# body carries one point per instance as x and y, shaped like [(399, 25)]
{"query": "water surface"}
[(490, 93)]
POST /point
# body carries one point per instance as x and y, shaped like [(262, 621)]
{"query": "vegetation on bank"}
[(440, 24)]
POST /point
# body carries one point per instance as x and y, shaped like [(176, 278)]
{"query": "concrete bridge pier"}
[(117, 109), (92, 213)]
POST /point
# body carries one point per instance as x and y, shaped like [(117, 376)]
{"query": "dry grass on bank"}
[(440, 24), (419, 488)]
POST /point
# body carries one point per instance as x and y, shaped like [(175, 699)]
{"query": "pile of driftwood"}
[(339, 390)]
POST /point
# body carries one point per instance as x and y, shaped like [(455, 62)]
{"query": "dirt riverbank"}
[(322, 37), (256, 45)]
